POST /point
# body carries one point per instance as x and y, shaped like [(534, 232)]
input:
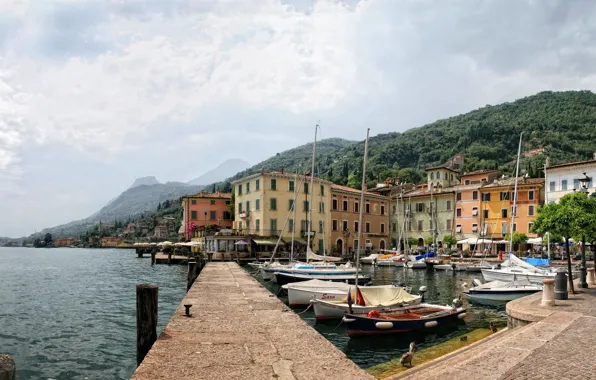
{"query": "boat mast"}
[(398, 196), (296, 187), (361, 207), (312, 181), (514, 211), (321, 211)]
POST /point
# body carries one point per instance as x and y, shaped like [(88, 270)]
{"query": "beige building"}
[(265, 200)]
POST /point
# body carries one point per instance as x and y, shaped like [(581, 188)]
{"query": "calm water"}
[(442, 286), (71, 313)]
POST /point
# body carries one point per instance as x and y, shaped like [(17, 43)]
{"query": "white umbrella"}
[(241, 242), (165, 243), (537, 241), (465, 241)]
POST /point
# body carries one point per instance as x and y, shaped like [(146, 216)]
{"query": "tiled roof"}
[(211, 195), (511, 182), (481, 171), (357, 192), (305, 177), (571, 164)]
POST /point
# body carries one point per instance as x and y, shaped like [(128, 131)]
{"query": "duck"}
[(408, 356), (464, 338), (492, 328)]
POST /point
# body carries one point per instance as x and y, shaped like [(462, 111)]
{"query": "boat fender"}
[(384, 325), (461, 316), (430, 324), (348, 320), (374, 314)]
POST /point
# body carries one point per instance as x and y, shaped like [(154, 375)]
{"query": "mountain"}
[(224, 170), (145, 181), (560, 125)]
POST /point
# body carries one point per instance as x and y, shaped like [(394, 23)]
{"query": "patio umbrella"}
[(241, 242)]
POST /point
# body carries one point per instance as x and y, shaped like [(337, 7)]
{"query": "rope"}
[(305, 310), (340, 322)]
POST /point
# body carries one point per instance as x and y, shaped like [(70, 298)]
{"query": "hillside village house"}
[(264, 201), (563, 179), (345, 214), (205, 209)]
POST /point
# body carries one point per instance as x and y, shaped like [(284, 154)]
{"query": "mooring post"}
[(192, 274), (8, 368), (146, 319), (153, 257), (140, 253), (169, 258)]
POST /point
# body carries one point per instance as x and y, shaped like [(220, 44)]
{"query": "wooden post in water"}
[(140, 252), (146, 319), (169, 258), (153, 257), (192, 274), (8, 368)]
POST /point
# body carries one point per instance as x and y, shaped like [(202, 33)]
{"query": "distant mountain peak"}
[(224, 170), (149, 180)]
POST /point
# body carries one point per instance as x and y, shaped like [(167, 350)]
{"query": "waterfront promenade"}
[(558, 343), (239, 330)]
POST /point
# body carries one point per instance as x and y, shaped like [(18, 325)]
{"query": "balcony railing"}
[(250, 232), (244, 214)]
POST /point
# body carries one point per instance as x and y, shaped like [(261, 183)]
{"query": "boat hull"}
[(416, 265), (286, 278), (301, 297), (500, 295), (327, 311), (500, 275)]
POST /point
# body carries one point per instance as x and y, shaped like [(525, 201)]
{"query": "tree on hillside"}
[(48, 238)]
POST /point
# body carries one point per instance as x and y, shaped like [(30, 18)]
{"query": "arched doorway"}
[(420, 242), (382, 244), (340, 246)]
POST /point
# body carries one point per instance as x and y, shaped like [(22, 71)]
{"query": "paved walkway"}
[(239, 330), (559, 344)]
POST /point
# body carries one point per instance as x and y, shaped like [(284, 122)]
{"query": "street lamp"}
[(583, 271), (205, 234)]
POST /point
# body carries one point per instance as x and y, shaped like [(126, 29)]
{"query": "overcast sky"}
[(94, 94)]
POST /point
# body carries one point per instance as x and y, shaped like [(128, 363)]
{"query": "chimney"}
[(282, 171)]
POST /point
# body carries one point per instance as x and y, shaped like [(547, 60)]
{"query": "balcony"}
[(305, 233), (243, 215)]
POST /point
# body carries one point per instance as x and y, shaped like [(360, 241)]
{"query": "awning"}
[(264, 242), (241, 242), (465, 241), (300, 241), (535, 241)]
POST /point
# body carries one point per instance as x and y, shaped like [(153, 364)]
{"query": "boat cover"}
[(311, 256), (386, 296), (514, 261), (538, 262), (320, 284), (430, 254), (520, 283)]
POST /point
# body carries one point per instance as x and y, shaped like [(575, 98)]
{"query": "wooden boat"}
[(300, 293), (400, 320)]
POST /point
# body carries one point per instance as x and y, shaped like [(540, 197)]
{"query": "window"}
[(248, 187), (458, 197), (432, 175), (321, 206), (394, 227), (484, 231), (467, 182), (291, 204), (530, 225), (409, 225), (212, 202), (291, 225), (420, 225), (355, 226), (576, 184), (419, 207), (334, 204), (552, 186), (240, 225), (193, 215), (321, 245), (334, 224), (474, 211), (194, 201), (382, 228), (321, 226), (355, 243), (504, 195), (458, 212), (448, 206), (273, 184), (514, 227), (485, 214), (430, 225), (356, 207), (257, 184), (257, 225), (306, 205), (345, 225), (503, 213), (240, 207), (273, 224), (306, 188), (322, 190), (564, 185), (504, 227), (530, 210), (367, 209), (345, 204), (438, 175), (458, 229), (474, 195), (367, 227), (227, 215), (247, 206), (273, 204), (303, 225), (258, 204), (212, 215), (394, 210), (474, 227), (239, 189), (514, 210), (382, 210), (486, 197), (448, 224), (291, 188), (531, 195)]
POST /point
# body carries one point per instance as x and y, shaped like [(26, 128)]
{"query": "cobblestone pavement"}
[(559, 345), (239, 330)]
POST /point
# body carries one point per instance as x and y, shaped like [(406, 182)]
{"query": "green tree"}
[(584, 221), (159, 206), (428, 240), (412, 241), (449, 240), (518, 238), (48, 238)]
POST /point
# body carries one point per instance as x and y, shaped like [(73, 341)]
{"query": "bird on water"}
[(408, 356)]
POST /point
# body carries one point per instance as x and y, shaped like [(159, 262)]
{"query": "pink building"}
[(205, 209)]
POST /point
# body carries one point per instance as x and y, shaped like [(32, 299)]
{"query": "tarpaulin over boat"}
[(386, 296), (311, 256), (514, 261), (538, 262), (430, 254)]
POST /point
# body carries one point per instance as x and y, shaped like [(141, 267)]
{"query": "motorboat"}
[(370, 259), (514, 269), (391, 260), (300, 293), (268, 272), (283, 278), (367, 299), (401, 320), (415, 264), (501, 291)]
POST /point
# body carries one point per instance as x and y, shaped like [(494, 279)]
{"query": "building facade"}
[(497, 205), (204, 209), (563, 179), (265, 200), (345, 215)]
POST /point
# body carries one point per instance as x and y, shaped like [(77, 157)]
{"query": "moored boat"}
[(370, 259), (501, 291), (300, 293), (283, 278)]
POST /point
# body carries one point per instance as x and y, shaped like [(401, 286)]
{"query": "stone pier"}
[(239, 330)]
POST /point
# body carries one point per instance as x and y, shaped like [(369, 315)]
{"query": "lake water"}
[(442, 286), (71, 313)]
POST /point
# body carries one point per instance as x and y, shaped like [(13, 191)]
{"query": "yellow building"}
[(264, 201)]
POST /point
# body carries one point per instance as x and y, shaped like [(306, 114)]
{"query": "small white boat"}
[(443, 267), (300, 293), (369, 260), (501, 291), (377, 298), (268, 271), (515, 269), (418, 264)]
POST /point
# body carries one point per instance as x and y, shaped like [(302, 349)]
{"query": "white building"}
[(564, 179)]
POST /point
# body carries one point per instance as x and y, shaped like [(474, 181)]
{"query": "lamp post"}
[(583, 272), (205, 234)]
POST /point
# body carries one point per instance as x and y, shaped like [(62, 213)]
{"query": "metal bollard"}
[(548, 292), (591, 279), (561, 292)]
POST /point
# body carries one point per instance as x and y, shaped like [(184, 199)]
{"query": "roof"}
[(216, 195), (481, 171), (444, 166), (284, 174), (367, 193), (424, 191), (576, 163), (506, 182)]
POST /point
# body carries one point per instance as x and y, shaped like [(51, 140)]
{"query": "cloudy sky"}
[(94, 94)]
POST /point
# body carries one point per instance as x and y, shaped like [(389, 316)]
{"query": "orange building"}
[(345, 213), (204, 209), (66, 242), (467, 203)]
